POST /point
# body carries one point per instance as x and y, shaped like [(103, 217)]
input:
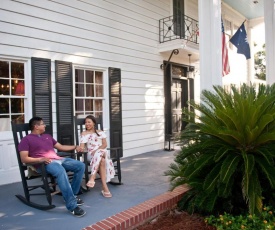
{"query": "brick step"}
[(141, 213)]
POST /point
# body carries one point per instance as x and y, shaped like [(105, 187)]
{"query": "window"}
[(88, 92), (12, 93), (178, 14)]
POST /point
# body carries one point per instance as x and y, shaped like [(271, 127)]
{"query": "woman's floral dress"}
[(93, 141)]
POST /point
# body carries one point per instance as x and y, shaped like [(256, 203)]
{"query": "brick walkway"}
[(137, 215)]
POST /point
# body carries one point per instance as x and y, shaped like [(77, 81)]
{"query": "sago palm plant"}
[(228, 151)]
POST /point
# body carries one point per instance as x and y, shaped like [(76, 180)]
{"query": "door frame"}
[(168, 79)]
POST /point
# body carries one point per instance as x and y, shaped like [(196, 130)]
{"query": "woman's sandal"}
[(106, 194), (90, 184)]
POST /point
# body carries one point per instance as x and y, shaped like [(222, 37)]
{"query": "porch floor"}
[(143, 195)]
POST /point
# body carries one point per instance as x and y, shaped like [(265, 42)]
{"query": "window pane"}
[(97, 114), (18, 88), (79, 75), (98, 78), (89, 105), (17, 70), (79, 90), (19, 119), (17, 105), (178, 71), (99, 90), (4, 105), (98, 105), (89, 76), (79, 114), (4, 69), (79, 104), (90, 90), (4, 87)]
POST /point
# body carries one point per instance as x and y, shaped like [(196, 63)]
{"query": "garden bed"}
[(175, 220)]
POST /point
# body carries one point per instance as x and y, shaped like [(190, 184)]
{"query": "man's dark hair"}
[(34, 121)]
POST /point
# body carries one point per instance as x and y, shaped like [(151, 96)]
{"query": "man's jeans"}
[(58, 169)]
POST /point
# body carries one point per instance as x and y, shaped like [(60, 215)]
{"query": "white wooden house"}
[(65, 58)]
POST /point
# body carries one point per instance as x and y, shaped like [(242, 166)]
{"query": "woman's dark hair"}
[(34, 121), (94, 120)]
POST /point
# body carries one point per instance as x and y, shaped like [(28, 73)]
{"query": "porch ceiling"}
[(249, 8)]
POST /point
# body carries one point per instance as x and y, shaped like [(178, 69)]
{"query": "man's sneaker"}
[(79, 201), (78, 212)]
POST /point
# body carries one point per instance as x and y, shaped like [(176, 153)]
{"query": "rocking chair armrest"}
[(117, 150), (84, 155), (32, 171), (66, 154)]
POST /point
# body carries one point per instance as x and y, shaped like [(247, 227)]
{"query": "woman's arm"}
[(104, 144)]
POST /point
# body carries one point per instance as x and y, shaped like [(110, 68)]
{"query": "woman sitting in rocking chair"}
[(97, 154)]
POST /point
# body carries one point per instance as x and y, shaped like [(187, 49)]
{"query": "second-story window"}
[(88, 92), (12, 93), (178, 15)]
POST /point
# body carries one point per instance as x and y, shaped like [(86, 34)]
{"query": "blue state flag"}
[(239, 40)]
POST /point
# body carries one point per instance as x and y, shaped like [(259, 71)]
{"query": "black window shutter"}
[(115, 109), (41, 91), (64, 102)]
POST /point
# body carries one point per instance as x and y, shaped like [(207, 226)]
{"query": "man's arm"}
[(60, 147), (24, 155)]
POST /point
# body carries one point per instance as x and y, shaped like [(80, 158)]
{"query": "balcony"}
[(178, 31)]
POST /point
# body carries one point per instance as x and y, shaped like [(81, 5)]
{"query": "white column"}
[(250, 62), (210, 43), (269, 20)]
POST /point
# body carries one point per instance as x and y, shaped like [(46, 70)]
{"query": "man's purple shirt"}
[(39, 146)]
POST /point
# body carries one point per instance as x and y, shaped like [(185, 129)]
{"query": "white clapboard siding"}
[(192, 10), (143, 136), (134, 10), (95, 34), (31, 25), (150, 91), (142, 128), (142, 99), (143, 83), (143, 113), (142, 120), (77, 42), (84, 24), (144, 77), (88, 13), (138, 106), (151, 6)]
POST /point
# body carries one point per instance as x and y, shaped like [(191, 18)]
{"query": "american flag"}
[(225, 61)]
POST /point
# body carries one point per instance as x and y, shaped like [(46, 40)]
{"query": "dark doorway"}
[(178, 89), (179, 92)]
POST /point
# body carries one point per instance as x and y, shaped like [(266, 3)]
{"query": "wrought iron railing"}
[(178, 27)]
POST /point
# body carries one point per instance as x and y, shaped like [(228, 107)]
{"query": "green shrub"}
[(228, 151), (264, 221)]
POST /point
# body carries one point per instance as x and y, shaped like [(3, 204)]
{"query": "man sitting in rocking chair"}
[(37, 147)]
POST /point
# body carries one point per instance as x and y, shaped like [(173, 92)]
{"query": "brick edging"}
[(141, 213)]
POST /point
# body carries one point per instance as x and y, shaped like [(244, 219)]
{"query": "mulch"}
[(175, 220)]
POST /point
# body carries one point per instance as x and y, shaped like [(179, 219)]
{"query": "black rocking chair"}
[(33, 185)]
